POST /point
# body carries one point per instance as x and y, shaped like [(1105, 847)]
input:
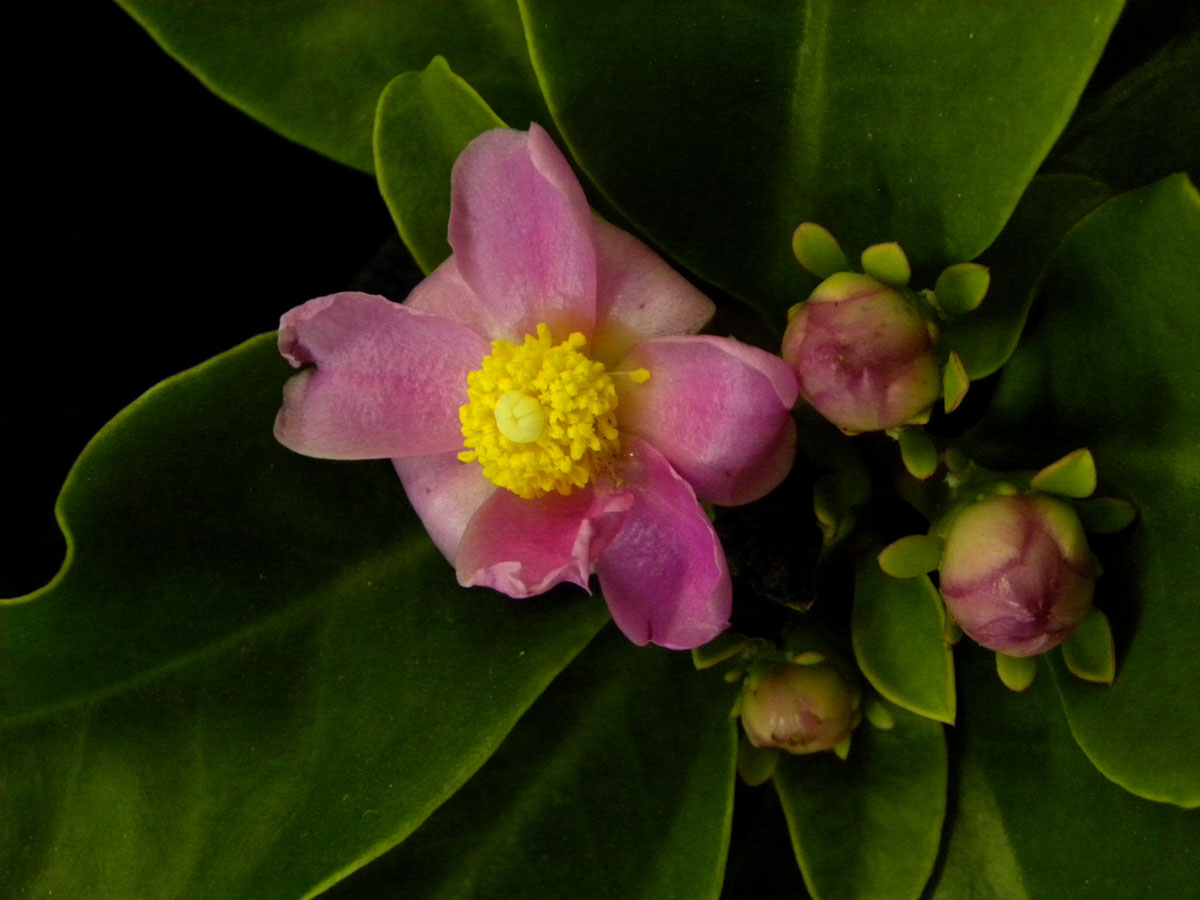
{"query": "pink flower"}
[(1017, 574), (863, 354), (545, 402)]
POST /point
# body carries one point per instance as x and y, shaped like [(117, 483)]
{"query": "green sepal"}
[(809, 658), (917, 451), (1089, 653), (911, 556), (954, 382), (879, 715), (961, 288), (724, 646), (755, 765), (1106, 515), (842, 750), (1017, 672), (1072, 476), (887, 263), (818, 250)]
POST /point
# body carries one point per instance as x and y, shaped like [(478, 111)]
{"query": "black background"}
[(150, 226)]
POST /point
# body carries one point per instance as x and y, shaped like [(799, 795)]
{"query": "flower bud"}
[(863, 354), (800, 709), (1017, 574)]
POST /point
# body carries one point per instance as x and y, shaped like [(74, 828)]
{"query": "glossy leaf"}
[(1033, 819), (1147, 125), (598, 792), (910, 122), (868, 826), (255, 672), (423, 122), (897, 629), (1112, 366), (986, 337), (313, 71)]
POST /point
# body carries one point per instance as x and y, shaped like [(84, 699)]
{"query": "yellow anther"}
[(639, 376), (539, 417)]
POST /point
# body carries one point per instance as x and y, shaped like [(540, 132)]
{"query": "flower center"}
[(540, 417)]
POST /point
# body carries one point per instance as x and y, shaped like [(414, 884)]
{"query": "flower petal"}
[(444, 293), (664, 575), (387, 381), (525, 547), (446, 493), (522, 233), (717, 409), (639, 296)]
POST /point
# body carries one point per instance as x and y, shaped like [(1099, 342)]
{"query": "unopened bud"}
[(800, 708), (1017, 574), (863, 354)]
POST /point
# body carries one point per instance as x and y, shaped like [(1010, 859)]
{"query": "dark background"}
[(150, 226)]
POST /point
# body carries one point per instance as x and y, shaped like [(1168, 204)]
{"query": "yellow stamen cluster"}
[(539, 417)]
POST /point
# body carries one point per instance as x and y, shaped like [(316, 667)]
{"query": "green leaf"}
[(887, 263), (918, 452), (911, 556), (1089, 654), (313, 71), (961, 288), (869, 826), (1144, 127), (986, 338), (818, 250), (424, 121), (911, 122), (897, 629), (1032, 819), (1016, 672), (596, 793), (1112, 366), (255, 672), (1074, 475)]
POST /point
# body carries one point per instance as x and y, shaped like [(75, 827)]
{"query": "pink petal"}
[(445, 493), (718, 409), (522, 234), (444, 293), (387, 381), (639, 296), (525, 547), (664, 575)]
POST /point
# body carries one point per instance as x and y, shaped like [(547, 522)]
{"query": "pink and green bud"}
[(863, 354), (800, 708), (1017, 574)]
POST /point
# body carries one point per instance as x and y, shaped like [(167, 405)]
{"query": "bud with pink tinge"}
[(800, 709), (863, 354), (1017, 574)]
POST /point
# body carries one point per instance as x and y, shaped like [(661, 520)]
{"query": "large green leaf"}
[(256, 672), (898, 628), (617, 784), (1112, 366), (1031, 819), (313, 69), (985, 338), (869, 826), (920, 122), (1144, 127), (424, 121)]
